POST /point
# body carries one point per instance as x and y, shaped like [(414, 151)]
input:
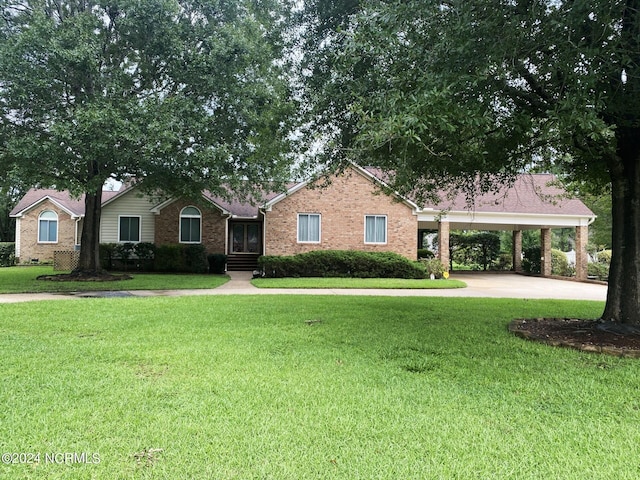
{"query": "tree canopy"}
[(468, 93), (181, 95)]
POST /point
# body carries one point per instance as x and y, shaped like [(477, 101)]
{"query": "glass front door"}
[(245, 238)]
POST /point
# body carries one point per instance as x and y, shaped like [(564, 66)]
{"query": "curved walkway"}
[(490, 285)]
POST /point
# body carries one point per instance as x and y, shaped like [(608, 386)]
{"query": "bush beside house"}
[(341, 263), (146, 256), (7, 254)]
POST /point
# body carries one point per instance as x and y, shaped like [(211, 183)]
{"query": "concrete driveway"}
[(492, 285)]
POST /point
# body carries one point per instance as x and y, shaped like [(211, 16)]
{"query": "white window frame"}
[(386, 228), (57, 220), (120, 217), (308, 215), (199, 217)]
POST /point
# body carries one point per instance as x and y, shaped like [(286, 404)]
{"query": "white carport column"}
[(582, 236), (443, 243), (545, 252), (517, 250)]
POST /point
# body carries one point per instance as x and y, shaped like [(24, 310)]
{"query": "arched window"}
[(190, 225), (48, 227)]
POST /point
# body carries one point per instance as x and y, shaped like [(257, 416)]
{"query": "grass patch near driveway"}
[(310, 387), (352, 283), (24, 280)]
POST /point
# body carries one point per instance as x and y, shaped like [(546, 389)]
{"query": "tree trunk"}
[(623, 296), (89, 262)]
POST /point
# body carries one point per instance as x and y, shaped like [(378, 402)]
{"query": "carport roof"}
[(533, 201), (530, 194)]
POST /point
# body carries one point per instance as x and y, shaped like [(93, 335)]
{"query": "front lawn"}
[(351, 283), (24, 280), (308, 387)]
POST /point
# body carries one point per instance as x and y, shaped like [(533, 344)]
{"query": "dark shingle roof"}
[(530, 194), (63, 198)]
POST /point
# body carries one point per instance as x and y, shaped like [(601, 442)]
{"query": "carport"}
[(534, 202)]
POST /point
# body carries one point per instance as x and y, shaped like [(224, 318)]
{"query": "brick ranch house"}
[(351, 213)]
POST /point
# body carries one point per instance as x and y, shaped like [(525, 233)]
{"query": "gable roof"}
[(74, 206), (366, 173)]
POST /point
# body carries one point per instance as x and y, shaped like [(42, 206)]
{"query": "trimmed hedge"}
[(7, 254), (195, 259), (341, 263), (217, 262), (169, 258)]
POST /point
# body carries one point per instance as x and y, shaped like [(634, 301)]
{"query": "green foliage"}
[(107, 255), (560, 264), (145, 252), (7, 254), (187, 95), (434, 266), (465, 95), (124, 252), (604, 257), (425, 253), (169, 258), (181, 258), (195, 259), (479, 250), (598, 270), (531, 261), (217, 263), (600, 229), (341, 263)]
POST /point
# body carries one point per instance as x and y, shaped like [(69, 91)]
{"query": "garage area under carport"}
[(533, 202)]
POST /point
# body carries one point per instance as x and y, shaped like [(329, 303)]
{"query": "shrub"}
[(124, 251), (145, 251), (504, 262), (107, 255), (604, 257), (598, 270), (168, 258), (434, 267), (7, 254), (559, 263), (531, 261), (425, 253), (341, 263), (217, 262), (195, 259)]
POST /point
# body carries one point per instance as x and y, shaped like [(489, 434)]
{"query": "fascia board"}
[(506, 218), (22, 212)]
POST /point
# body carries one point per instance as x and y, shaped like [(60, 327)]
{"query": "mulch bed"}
[(586, 335)]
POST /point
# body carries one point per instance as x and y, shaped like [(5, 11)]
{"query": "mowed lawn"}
[(25, 280), (309, 387)]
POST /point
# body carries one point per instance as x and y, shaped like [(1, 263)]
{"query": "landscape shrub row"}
[(147, 256), (341, 263), (7, 254)]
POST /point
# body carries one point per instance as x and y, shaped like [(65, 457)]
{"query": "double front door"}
[(246, 237)]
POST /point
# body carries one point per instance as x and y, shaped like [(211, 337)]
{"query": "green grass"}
[(381, 283), (310, 387), (24, 280)]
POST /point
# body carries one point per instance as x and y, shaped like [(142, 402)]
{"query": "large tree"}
[(179, 95), (464, 93)]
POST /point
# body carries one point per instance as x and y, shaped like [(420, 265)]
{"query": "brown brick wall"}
[(342, 206), (29, 246), (167, 226)]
